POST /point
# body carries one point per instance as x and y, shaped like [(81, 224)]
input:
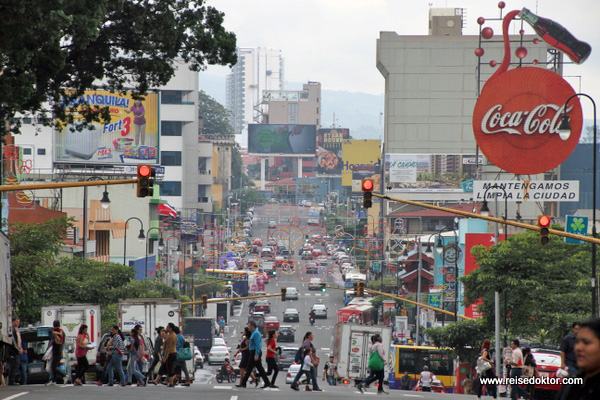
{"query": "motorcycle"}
[(230, 376), (311, 320)]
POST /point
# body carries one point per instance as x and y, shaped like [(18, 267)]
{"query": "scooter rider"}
[(312, 316)]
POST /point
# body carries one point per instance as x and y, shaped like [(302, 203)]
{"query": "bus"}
[(314, 215), (352, 278), (357, 313), (412, 359)]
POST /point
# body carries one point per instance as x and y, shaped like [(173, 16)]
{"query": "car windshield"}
[(319, 307), (262, 303), (291, 311), (292, 290), (285, 329), (547, 359)]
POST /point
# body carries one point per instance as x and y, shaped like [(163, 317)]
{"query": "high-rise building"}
[(257, 70)]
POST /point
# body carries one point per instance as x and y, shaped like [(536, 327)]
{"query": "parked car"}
[(286, 358), (320, 310), (314, 284), (199, 357), (263, 305), (36, 339), (291, 315), (217, 355), (271, 323), (291, 293), (286, 334)]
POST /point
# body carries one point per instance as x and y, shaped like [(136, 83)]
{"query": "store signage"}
[(526, 190)]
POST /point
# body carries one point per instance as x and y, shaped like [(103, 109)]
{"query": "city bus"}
[(314, 215), (352, 278), (412, 359)]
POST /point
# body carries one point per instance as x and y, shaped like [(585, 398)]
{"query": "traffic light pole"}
[(58, 185), (190, 303)]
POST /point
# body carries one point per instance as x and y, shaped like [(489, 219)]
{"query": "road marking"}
[(223, 387), (325, 349), (14, 396), (233, 398), (412, 395), (317, 294)]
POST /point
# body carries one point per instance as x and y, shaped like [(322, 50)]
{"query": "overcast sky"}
[(334, 41)]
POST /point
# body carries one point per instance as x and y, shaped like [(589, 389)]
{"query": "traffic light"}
[(359, 289), (367, 187), (145, 180), (283, 291), (229, 282), (204, 301), (323, 287), (544, 224)]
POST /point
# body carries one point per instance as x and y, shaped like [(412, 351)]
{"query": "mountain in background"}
[(359, 112)]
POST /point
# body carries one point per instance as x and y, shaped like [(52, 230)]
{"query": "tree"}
[(214, 115), (546, 287), (464, 337), (588, 134), (51, 52)]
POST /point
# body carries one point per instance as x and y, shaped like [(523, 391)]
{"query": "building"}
[(257, 70)]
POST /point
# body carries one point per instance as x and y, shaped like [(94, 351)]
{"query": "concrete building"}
[(257, 70)]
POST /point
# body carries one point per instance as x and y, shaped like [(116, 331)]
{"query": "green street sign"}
[(577, 225)]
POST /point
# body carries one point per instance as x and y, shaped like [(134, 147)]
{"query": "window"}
[(202, 161), (170, 158), (293, 108), (202, 198), (292, 119), (27, 120), (170, 188), (171, 97), (170, 128), (26, 151), (41, 152)]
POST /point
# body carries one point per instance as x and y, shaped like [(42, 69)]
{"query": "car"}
[(257, 242), (271, 323), (314, 284), (291, 315), (259, 318), (548, 362), (320, 310), (36, 339), (263, 305), (286, 357), (313, 268), (436, 386), (291, 293), (272, 242), (217, 355), (306, 255), (218, 341), (292, 372), (286, 334), (284, 251), (267, 252), (199, 357), (272, 224)]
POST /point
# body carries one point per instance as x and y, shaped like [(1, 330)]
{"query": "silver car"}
[(320, 310), (217, 354), (291, 293)]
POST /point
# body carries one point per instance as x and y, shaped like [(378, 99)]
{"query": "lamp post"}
[(441, 249), (161, 245), (564, 131), (105, 204), (141, 236)]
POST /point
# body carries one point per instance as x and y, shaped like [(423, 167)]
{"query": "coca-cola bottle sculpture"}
[(557, 36)]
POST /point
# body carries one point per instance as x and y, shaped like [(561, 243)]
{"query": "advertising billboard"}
[(282, 139), (361, 159), (329, 151), (429, 172), (130, 137)]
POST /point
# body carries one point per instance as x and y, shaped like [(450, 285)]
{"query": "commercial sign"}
[(329, 151), (429, 172), (361, 159), (577, 225), (130, 137), (527, 190), (282, 139)]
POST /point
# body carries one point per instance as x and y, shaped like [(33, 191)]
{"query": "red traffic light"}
[(544, 220), (367, 185), (144, 170)]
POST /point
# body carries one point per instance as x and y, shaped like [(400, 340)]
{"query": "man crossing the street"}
[(255, 348)]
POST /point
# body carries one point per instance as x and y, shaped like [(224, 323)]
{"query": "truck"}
[(71, 317), (202, 328), (150, 313), (216, 310), (351, 344), (7, 337)]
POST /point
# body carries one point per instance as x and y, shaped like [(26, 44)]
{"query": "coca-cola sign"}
[(517, 116)]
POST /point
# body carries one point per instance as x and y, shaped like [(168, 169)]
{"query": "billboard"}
[(282, 139), (429, 172), (329, 151), (361, 159), (130, 137)]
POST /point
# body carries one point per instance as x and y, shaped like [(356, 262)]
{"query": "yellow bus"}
[(412, 359)]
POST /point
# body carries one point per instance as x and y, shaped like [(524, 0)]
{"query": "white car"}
[(199, 357), (314, 284), (320, 310), (218, 341), (272, 224), (291, 293), (217, 355), (292, 372)]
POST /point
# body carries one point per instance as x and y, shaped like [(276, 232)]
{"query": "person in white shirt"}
[(426, 379), (516, 370), (306, 367)]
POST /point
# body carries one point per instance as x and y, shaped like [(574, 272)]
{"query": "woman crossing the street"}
[(271, 356)]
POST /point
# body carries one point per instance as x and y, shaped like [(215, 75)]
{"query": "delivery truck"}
[(351, 348), (202, 329), (71, 317), (7, 338)]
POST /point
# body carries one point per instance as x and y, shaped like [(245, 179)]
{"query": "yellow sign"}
[(361, 159)]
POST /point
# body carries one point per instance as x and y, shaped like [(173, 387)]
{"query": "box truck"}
[(7, 338), (202, 329), (71, 317), (351, 348)]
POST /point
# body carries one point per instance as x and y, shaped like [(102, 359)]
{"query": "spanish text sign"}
[(526, 190)]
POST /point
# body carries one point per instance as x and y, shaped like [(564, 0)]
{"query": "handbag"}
[(482, 365), (315, 361), (184, 354), (528, 371), (48, 354), (375, 361)]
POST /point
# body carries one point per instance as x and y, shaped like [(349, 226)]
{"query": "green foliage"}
[(546, 287), (464, 337), (28, 239), (215, 117), (126, 44), (250, 197)]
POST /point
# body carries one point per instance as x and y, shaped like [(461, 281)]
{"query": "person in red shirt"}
[(271, 356)]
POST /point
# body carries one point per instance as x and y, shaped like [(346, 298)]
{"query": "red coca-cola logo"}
[(517, 116)]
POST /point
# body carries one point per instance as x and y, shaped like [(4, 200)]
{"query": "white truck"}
[(71, 317), (351, 346), (7, 339)]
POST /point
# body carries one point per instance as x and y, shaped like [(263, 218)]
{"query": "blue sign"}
[(435, 300), (376, 266), (467, 186), (578, 226)]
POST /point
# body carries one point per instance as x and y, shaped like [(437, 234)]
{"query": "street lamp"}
[(141, 236), (161, 246), (105, 204), (441, 249), (565, 131)]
